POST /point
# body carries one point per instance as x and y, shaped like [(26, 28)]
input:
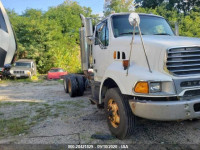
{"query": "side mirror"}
[(101, 28), (87, 23), (134, 19)]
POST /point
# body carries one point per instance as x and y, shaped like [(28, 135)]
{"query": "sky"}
[(20, 5)]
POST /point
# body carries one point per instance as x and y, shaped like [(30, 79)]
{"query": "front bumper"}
[(165, 111), (20, 75)]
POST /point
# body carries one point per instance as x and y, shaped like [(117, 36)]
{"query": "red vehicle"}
[(56, 73)]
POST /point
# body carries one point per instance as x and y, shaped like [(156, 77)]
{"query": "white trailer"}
[(8, 44), (141, 68)]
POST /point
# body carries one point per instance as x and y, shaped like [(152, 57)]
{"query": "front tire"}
[(120, 118)]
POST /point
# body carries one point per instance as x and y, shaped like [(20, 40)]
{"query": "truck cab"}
[(141, 68)]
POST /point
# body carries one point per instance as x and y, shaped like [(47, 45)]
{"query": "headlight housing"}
[(28, 73), (11, 71), (154, 87), (145, 87)]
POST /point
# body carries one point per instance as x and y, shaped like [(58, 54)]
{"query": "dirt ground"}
[(42, 113)]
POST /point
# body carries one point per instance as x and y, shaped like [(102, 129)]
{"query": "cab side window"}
[(2, 22), (102, 34)]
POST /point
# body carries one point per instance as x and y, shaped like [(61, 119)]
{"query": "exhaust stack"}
[(86, 33)]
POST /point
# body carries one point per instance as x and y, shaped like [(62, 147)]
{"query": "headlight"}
[(144, 87), (27, 72), (154, 87), (11, 71)]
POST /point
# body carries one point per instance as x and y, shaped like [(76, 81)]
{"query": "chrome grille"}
[(192, 93), (18, 72), (183, 61)]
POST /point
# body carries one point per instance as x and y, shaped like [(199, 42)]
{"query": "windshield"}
[(56, 70), (150, 25), (22, 64)]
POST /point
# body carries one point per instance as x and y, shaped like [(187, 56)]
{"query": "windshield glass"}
[(22, 64), (56, 70), (150, 25)]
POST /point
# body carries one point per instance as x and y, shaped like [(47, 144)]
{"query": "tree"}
[(51, 38), (184, 6), (119, 6), (149, 3)]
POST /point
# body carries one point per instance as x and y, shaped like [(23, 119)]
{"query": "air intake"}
[(183, 61)]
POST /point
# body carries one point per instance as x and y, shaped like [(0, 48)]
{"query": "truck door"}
[(101, 52), (4, 39)]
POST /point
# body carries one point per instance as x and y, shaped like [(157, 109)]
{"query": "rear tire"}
[(65, 83), (72, 86), (81, 85), (120, 118)]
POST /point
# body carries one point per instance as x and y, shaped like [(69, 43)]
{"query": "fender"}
[(137, 73)]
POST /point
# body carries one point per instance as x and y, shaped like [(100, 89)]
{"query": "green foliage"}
[(149, 3), (51, 38), (184, 6), (119, 6), (188, 24)]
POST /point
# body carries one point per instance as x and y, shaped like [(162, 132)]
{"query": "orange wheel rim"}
[(69, 86), (113, 111)]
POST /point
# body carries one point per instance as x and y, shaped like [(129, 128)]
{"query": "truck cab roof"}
[(130, 13), (126, 13), (25, 60)]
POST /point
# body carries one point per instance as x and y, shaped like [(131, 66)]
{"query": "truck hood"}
[(164, 41), (156, 47)]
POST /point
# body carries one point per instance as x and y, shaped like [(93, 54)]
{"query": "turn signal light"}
[(125, 64), (142, 87), (115, 55)]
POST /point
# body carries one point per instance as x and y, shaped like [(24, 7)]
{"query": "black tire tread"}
[(74, 86), (81, 85), (65, 83), (130, 117)]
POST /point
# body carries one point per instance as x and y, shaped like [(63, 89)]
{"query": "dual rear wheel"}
[(74, 85)]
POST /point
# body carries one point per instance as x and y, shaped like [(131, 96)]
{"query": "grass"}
[(24, 80), (35, 113), (60, 81), (3, 81), (21, 125), (14, 126), (3, 104), (39, 111), (78, 104), (42, 113)]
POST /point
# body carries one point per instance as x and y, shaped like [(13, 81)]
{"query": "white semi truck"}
[(8, 45), (141, 68)]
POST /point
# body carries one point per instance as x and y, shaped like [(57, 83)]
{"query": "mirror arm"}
[(101, 44)]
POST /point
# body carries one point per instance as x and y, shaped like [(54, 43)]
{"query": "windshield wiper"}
[(162, 34)]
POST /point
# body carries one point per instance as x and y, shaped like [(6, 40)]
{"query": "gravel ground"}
[(45, 114)]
